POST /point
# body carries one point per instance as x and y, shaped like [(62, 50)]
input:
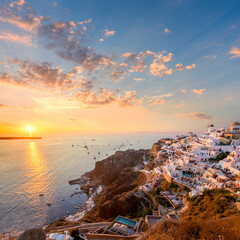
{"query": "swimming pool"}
[(185, 175), (126, 221)]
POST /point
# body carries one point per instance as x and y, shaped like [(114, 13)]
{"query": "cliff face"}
[(119, 198), (109, 169), (120, 205), (156, 147)]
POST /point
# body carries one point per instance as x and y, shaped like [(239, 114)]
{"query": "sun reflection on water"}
[(37, 171)]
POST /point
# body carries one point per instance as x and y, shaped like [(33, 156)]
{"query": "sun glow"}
[(29, 129)]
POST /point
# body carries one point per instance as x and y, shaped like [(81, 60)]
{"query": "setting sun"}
[(29, 129)]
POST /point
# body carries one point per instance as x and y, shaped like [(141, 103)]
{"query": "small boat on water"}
[(85, 146), (67, 212), (41, 195), (98, 152), (94, 158), (49, 204), (88, 153), (76, 207)]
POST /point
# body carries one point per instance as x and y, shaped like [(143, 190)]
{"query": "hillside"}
[(228, 229)]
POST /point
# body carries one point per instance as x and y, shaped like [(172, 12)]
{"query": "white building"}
[(211, 128), (235, 127)]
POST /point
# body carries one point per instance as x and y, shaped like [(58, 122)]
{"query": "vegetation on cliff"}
[(217, 203), (228, 229), (219, 157)]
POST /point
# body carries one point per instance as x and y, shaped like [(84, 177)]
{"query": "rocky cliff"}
[(109, 169)]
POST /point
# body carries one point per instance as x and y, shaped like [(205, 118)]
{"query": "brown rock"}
[(33, 234)]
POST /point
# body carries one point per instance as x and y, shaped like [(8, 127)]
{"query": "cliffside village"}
[(205, 161)]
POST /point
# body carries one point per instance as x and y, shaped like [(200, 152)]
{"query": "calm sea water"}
[(32, 167)]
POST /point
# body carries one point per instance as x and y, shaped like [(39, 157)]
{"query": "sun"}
[(29, 129)]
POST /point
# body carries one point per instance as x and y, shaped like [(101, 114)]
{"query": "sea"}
[(34, 175)]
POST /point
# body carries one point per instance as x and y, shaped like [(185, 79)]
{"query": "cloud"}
[(184, 91), (70, 47), (18, 3), (17, 107), (101, 40), (123, 65), (194, 115), (90, 99), (158, 102), (235, 52), (190, 66), (140, 67), (158, 66), (108, 33), (3, 105), (16, 38), (148, 52), (168, 95), (179, 67), (27, 18), (199, 91), (166, 30), (43, 76), (118, 75), (159, 99), (138, 79), (132, 57), (233, 26)]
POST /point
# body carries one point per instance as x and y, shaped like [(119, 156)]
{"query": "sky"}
[(90, 66)]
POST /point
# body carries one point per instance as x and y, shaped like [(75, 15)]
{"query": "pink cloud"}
[(158, 102), (108, 33), (235, 52), (190, 66), (16, 38), (18, 3), (199, 91), (194, 115), (166, 30)]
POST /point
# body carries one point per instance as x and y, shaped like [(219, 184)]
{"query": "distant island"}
[(18, 138)]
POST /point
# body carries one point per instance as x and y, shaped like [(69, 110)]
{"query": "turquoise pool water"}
[(185, 175), (126, 221)]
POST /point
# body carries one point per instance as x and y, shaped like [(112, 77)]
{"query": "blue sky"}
[(172, 64)]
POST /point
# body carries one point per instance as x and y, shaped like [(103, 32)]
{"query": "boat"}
[(49, 204), (85, 146), (41, 194), (67, 212), (76, 207), (94, 158)]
